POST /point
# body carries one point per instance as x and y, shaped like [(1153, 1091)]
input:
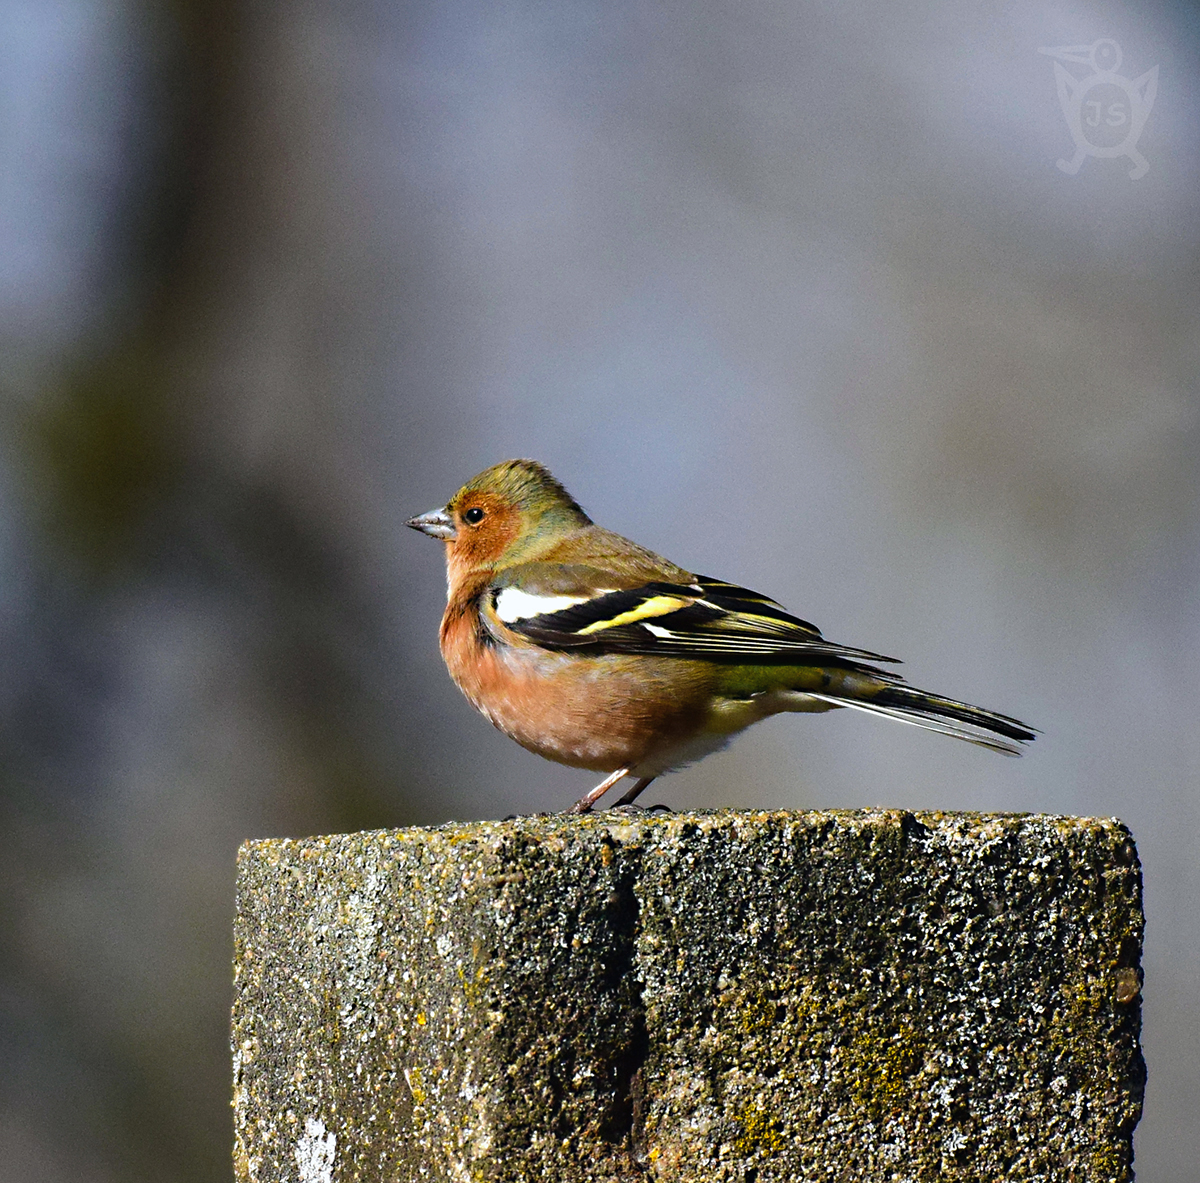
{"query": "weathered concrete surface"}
[(872, 995)]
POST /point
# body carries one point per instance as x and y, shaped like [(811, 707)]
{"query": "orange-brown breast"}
[(600, 712)]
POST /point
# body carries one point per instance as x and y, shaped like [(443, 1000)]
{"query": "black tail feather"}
[(1000, 733), (906, 698)]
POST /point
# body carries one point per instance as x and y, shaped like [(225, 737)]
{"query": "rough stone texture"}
[(870, 995)]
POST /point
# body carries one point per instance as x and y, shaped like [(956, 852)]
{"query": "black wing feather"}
[(716, 621)]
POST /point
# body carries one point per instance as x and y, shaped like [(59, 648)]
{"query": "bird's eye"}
[(473, 516)]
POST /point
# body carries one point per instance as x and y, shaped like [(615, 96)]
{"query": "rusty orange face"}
[(515, 500), (485, 525)]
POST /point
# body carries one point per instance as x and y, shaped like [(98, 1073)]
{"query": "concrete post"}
[(872, 995)]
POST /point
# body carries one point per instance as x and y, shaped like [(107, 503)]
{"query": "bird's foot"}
[(633, 809)]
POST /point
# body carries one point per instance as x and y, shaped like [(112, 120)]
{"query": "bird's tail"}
[(959, 719)]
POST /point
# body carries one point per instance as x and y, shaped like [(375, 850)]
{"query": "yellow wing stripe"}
[(654, 606)]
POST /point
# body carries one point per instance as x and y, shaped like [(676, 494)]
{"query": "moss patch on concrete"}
[(729, 996)]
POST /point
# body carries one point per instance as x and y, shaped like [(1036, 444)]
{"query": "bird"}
[(597, 653)]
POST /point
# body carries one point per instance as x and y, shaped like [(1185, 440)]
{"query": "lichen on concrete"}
[(861, 995)]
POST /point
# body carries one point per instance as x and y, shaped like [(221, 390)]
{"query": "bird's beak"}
[(1069, 53), (436, 523)]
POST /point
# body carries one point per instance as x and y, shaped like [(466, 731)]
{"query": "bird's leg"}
[(585, 803), (629, 797)]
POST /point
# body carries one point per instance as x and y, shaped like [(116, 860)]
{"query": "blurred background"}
[(790, 292)]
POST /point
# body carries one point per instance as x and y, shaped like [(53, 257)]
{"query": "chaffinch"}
[(593, 651)]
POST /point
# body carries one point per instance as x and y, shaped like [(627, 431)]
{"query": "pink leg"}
[(585, 803), (629, 797)]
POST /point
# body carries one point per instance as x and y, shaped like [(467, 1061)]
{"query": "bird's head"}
[(509, 512)]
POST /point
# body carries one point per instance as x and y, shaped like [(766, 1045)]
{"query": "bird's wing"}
[(583, 609)]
